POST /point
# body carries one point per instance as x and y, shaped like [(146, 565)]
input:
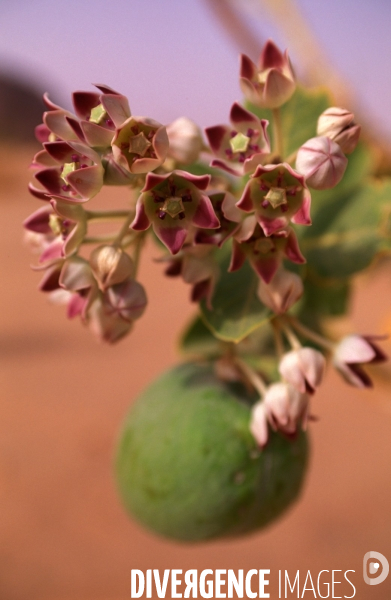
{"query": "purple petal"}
[(60, 151), (153, 180), (39, 220), (172, 237), (216, 136), (50, 179), (76, 305), (141, 221), (266, 267), (238, 257), (75, 125), (84, 102), (270, 226), (271, 56), (240, 115), (205, 216), (303, 216), (245, 203), (53, 251), (42, 133), (292, 250), (50, 281), (248, 69)]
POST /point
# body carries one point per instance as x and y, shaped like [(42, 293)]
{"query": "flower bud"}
[(258, 423), (284, 290), (185, 140), (106, 326), (270, 84), (126, 300), (303, 368), (286, 407), (322, 163), (110, 265), (351, 353), (338, 124)]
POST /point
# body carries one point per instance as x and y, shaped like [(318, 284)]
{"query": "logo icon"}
[(374, 562)]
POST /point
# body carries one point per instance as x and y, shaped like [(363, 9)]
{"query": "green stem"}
[(138, 244), (124, 229), (99, 239), (311, 335), (95, 215), (254, 378), (277, 337), (291, 336), (292, 157), (277, 132)]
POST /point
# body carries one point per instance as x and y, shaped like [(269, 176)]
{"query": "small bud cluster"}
[(249, 196)]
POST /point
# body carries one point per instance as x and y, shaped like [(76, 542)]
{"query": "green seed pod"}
[(188, 467)]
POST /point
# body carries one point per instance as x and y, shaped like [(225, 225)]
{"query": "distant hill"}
[(21, 108)]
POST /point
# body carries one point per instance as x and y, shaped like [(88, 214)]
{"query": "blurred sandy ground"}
[(63, 533)]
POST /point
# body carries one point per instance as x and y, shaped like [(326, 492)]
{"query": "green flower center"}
[(69, 168), (173, 206), (239, 143), (98, 114), (276, 197), (138, 144)]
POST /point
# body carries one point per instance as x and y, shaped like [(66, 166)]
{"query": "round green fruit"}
[(188, 467)]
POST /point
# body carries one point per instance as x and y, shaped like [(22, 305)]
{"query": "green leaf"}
[(299, 116), (237, 310), (197, 339), (348, 231), (327, 300)]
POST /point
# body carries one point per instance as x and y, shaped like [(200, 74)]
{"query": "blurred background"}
[(63, 532)]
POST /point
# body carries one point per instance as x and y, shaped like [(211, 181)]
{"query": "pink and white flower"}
[(303, 368), (265, 253), (277, 194), (272, 82), (173, 203), (352, 353), (282, 292), (245, 144)]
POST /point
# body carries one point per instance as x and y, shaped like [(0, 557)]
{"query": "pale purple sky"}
[(171, 58)]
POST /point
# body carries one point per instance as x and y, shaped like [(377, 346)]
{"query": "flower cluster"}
[(238, 188)]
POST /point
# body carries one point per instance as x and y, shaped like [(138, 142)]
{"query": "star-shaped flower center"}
[(239, 143), (138, 144), (173, 206), (276, 196)]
